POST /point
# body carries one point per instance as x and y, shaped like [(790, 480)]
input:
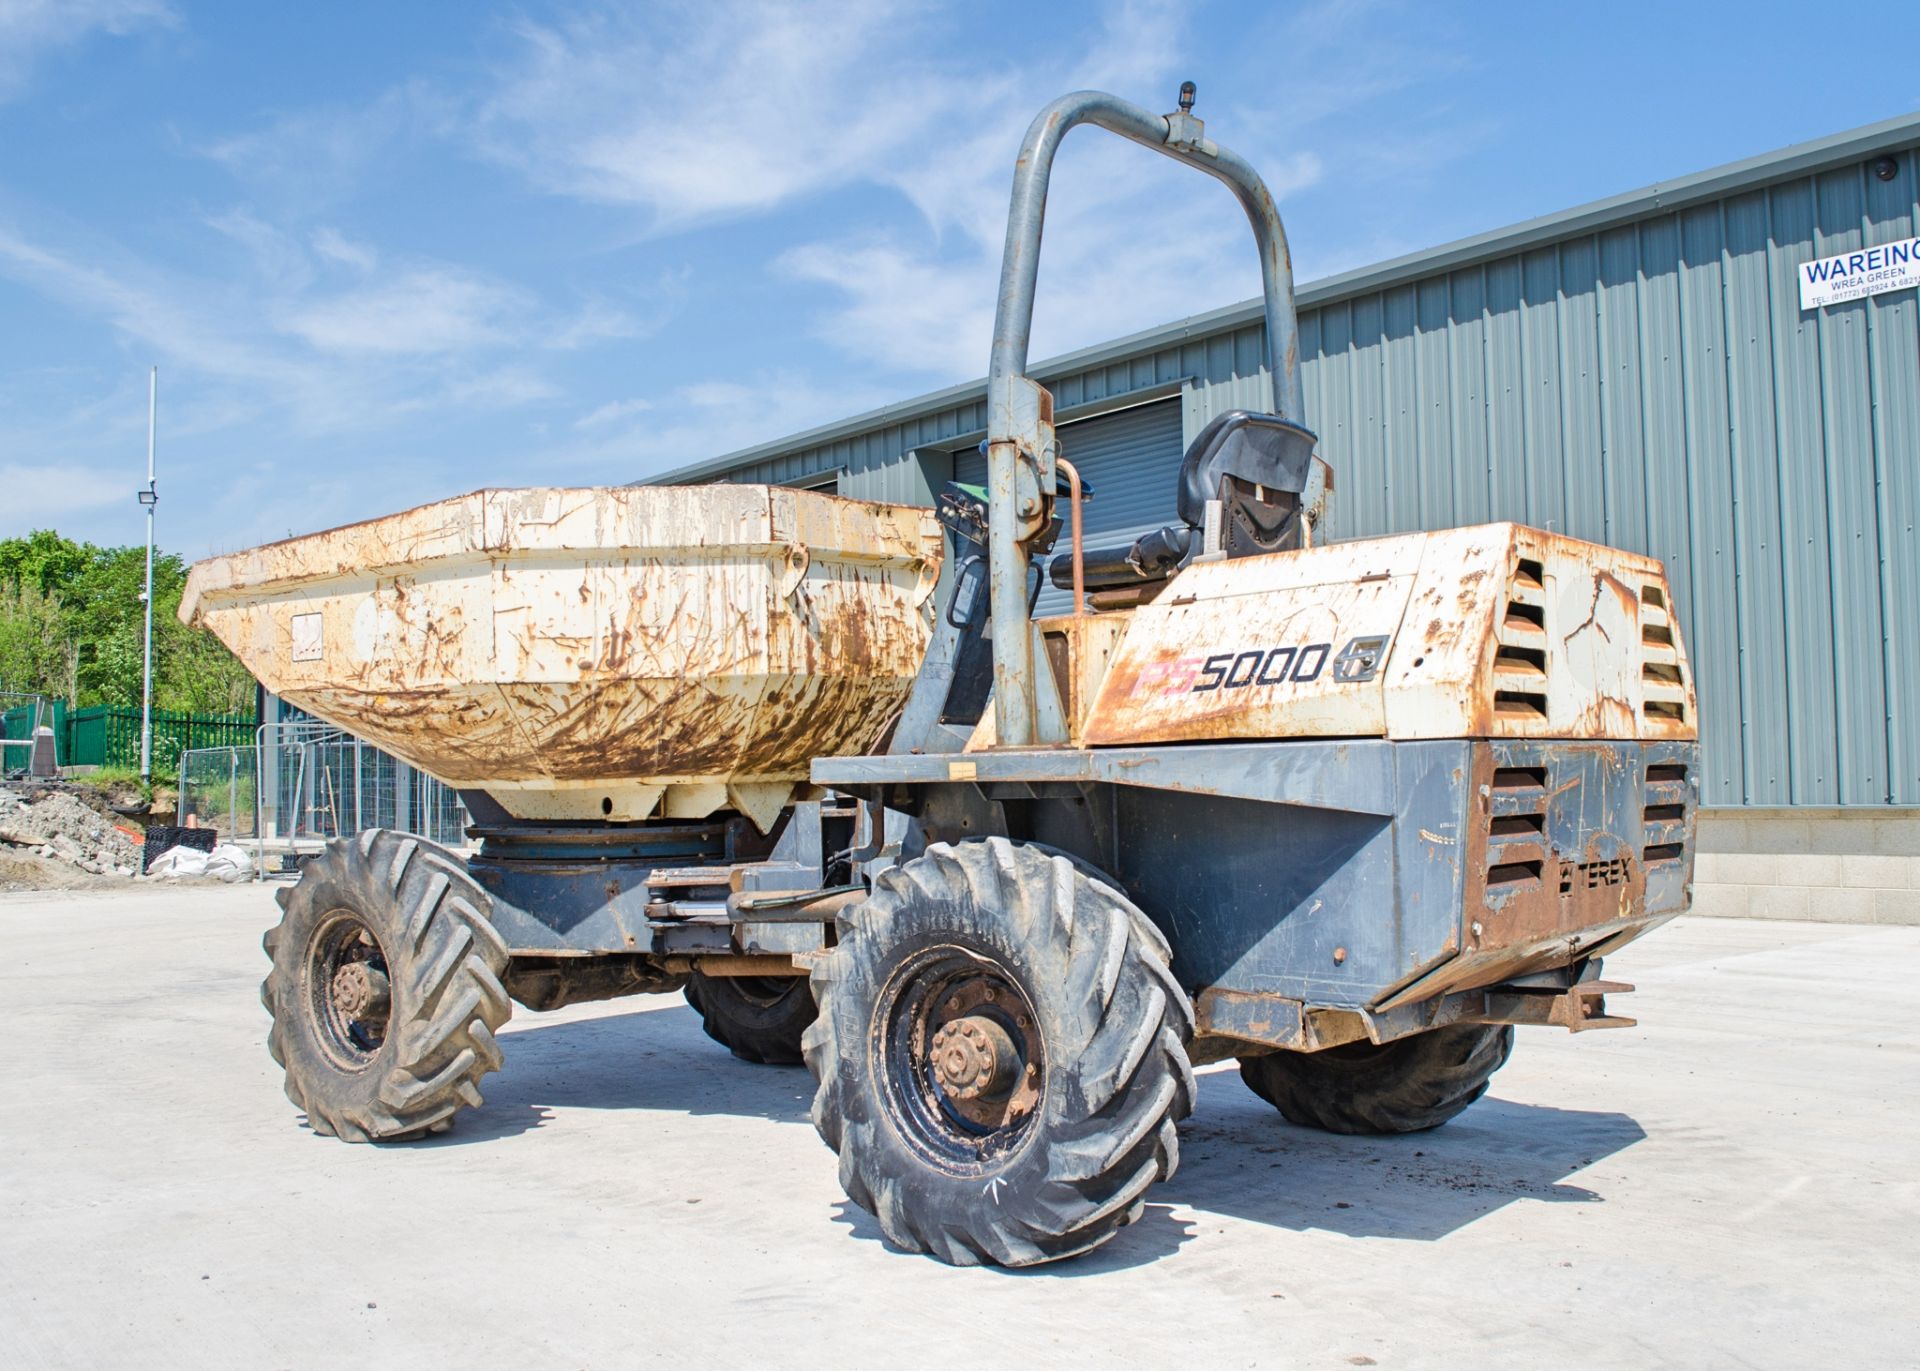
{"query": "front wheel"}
[(385, 989), (1404, 1086), (1001, 1056)]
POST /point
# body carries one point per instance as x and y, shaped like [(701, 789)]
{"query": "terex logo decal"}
[(1358, 661)]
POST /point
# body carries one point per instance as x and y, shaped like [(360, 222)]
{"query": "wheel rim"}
[(348, 989), (963, 1061)]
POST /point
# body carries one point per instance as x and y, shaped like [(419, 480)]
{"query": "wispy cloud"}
[(337, 248), (30, 30), (598, 322), (612, 413), (317, 157), (691, 423), (428, 311), (39, 496), (693, 111), (288, 339)]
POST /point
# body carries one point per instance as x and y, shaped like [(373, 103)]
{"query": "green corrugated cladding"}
[(1637, 372), (109, 735)]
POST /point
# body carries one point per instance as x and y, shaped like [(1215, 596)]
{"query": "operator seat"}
[(1256, 465)]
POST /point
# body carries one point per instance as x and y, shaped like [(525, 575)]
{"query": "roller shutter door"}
[(1131, 458)]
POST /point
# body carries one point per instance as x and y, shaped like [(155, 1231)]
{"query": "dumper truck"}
[(1348, 812)]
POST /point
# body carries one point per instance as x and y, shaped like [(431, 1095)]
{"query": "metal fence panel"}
[(300, 785)]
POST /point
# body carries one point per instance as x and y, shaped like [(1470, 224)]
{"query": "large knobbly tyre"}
[(757, 1018), (385, 990), (1001, 1056), (1403, 1086)]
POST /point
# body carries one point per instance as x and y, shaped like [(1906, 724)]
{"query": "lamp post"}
[(149, 497)]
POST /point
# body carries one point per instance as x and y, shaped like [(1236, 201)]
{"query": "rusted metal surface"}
[(360, 990), (616, 653), (974, 1057), (1535, 897), (1074, 501), (1497, 631), (748, 965), (1236, 1024), (540, 982), (1080, 650)]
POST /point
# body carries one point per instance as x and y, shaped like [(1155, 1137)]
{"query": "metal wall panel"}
[(1893, 345)]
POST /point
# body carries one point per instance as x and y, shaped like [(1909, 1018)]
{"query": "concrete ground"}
[(1732, 1184)]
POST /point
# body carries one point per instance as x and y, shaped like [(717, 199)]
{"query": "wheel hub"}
[(974, 1058), (360, 991), (349, 991)]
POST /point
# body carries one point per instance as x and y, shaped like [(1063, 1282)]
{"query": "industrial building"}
[(1639, 371)]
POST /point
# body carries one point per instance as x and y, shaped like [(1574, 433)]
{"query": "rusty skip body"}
[(616, 653)]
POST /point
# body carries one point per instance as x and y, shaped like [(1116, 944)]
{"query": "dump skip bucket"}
[(623, 652)]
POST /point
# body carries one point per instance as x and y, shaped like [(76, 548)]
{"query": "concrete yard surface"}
[(1734, 1183)]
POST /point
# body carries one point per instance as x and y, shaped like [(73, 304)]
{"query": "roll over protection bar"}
[(1021, 447)]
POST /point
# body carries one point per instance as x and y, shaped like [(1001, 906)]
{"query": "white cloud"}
[(693, 423), (316, 157), (337, 248), (326, 361), (1132, 240), (500, 388), (596, 322), (693, 111), (38, 496), (612, 412), (434, 310), (31, 29)]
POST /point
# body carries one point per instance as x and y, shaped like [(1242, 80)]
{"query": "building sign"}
[(1856, 275)]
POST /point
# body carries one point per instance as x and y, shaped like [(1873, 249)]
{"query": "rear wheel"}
[(1403, 1086), (385, 989), (757, 1018), (1001, 1056)]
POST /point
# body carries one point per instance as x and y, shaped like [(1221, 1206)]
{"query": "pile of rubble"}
[(55, 825)]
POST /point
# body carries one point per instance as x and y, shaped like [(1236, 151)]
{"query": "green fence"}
[(109, 735)]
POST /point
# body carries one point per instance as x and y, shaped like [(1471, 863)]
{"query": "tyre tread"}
[(1133, 1081), (447, 1040)]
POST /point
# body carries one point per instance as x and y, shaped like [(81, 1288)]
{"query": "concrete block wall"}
[(1829, 865)]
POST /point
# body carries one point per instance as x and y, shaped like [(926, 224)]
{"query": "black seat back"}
[(1256, 465)]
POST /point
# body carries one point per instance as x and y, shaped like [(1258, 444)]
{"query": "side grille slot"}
[(1516, 828), (1513, 875), (1520, 646), (1662, 688), (1668, 798)]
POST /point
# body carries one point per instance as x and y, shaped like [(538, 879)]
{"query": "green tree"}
[(72, 624), (37, 653)]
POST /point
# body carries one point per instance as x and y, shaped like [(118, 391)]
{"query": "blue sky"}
[(384, 253)]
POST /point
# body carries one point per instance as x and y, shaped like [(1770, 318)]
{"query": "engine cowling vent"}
[(1663, 684), (1520, 645), (1669, 795), (1517, 828)]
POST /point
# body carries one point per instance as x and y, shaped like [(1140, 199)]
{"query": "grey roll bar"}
[(1021, 447)]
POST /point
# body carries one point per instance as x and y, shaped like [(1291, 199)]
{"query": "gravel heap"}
[(55, 825)]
